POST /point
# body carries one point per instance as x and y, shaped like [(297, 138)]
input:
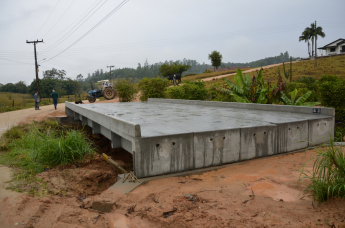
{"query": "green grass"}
[(34, 147), (328, 175)]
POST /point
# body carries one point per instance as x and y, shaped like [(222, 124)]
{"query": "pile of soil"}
[(81, 179)]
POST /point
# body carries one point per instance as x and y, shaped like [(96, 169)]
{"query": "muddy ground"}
[(259, 193)]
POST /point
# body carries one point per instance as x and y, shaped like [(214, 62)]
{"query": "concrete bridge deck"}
[(167, 136)]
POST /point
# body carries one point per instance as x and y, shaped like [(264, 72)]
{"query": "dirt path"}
[(246, 71)]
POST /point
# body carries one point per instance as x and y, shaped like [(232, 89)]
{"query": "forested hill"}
[(64, 82), (152, 70)]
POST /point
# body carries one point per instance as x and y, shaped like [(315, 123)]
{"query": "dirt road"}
[(246, 71)]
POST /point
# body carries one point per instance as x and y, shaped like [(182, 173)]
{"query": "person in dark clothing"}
[(37, 101), (55, 97)]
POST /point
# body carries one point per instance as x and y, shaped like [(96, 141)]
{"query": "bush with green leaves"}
[(126, 90), (195, 90), (302, 89), (310, 82), (332, 94), (152, 88), (328, 174)]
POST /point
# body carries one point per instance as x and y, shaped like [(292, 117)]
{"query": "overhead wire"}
[(59, 19), (90, 30), (71, 31), (46, 19), (71, 24), (182, 40)]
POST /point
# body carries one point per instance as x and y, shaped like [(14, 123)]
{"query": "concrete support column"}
[(76, 116), (115, 140), (69, 112), (96, 128), (84, 120)]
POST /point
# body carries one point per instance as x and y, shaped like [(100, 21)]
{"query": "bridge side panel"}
[(163, 155)]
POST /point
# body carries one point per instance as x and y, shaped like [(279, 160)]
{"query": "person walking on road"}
[(55, 97), (37, 101)]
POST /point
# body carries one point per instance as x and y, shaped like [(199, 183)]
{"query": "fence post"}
[(12, 103)]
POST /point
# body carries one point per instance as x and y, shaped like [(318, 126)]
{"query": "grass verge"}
[(34, 147)]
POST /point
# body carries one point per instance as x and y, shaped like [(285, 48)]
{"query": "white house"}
[(335, 48)]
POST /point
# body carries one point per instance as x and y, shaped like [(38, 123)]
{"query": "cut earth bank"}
[(260, 193)]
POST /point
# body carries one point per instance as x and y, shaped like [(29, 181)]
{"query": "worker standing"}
[(55, 97), (37, 101)]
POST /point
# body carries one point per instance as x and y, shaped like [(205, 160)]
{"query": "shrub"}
[(189, 91), (309, 82), (332, 94), (302, 89), (126, 90), (152, 88), (327, 78), (328, 175)]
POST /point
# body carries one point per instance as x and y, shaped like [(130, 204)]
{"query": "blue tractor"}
[(107, 92)]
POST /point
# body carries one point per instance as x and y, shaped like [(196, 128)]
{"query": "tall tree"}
[(311, 33), (174, 68), (216, 59), (317, 31), (306, 35)]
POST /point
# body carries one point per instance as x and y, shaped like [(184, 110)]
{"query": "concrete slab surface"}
[(157, 119)]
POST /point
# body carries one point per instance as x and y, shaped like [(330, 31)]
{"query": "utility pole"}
[(36, 66), (110, 71), (315, 46)]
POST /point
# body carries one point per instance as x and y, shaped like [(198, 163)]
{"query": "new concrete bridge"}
[(167, 136)]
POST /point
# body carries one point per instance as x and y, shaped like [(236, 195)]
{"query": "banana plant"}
[(246, 89), (292, 101)]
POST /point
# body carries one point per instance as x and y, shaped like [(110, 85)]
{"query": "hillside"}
[(326, 66)]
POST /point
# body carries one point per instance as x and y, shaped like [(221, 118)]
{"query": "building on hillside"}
[(226, 68), (335, 48)]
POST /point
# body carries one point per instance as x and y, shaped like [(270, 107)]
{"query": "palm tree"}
[(306, 35), (317, 31), (311, 33)]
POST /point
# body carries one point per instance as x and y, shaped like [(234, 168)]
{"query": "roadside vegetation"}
[(327, 179), (35, 147)]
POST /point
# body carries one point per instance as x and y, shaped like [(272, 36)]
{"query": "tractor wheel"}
[(109, 93), (92, 99)]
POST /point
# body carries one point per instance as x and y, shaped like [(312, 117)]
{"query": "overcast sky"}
[(79, 37)]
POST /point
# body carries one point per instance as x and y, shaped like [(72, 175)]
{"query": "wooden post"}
[(12, 103)]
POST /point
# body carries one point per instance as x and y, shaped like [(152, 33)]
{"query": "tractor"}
[(107, 92)]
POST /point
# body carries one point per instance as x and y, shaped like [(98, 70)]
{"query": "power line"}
[(90, 30), (183, 40), (15, 61), (47, 18), (71, 31), (59, 18), (92, 6)]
